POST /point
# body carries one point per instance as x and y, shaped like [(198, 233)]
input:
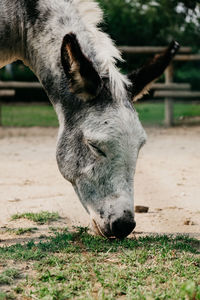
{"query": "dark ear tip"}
[(69, 38), (176, 44), (174, 47)]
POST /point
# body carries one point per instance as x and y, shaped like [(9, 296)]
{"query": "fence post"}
[(0, 113), (169, 101)]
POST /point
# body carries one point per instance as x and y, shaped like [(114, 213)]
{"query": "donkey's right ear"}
[(143, 77), (84, 80)]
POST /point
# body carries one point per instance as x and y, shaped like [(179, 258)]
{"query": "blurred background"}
[(136, 24)]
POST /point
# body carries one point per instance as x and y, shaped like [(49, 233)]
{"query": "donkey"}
[(100, 134)]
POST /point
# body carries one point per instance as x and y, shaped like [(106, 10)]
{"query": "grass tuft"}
[(6, 296), (7, 276), (40, 218), (19, 231)]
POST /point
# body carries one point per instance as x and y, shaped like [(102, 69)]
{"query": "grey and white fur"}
[(100, 134)]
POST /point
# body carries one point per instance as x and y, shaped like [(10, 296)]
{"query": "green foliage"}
[(190, 290), (29, 115), (189, 73), (19, 73), (76, 265), (60, 242), (19, 231), (154, 23), (7, 276), (147, 22), (6, 296), (40, 218)]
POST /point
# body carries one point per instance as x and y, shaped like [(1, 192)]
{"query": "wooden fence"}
[(169, 90)]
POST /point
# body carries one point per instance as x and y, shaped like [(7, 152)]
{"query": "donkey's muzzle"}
[(122, 227), (115, 226)]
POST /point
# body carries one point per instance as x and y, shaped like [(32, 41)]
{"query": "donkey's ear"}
[(84, 81), (143, 78)]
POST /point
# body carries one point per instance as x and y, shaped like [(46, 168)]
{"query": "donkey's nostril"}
[(121, 228)]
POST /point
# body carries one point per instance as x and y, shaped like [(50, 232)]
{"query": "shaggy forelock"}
[(106, 53)]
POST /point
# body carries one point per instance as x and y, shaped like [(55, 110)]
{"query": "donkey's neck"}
[(11, 31), (33, 31)]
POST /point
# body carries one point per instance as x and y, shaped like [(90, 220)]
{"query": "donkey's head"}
[(101, 137)]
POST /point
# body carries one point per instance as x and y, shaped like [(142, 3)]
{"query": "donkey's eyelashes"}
[(142, 144), (96, 149)]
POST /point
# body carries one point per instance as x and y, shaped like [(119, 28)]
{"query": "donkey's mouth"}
[(97, 229)]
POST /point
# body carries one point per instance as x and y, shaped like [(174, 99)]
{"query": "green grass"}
[(40, 218), (76, 265), (6, 296), (153, 113), (44, 115), (8, 275), (29, 115), (19, 231)]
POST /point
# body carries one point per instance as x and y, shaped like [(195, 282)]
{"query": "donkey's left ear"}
[(143, 78), (84, 80)]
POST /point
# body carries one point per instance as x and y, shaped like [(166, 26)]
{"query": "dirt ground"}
[(167, 180)]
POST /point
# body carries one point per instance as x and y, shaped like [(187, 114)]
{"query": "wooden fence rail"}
[(171, 86), (19, 85), (168, 90), (147, 50)]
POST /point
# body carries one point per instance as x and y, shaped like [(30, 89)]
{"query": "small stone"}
[(15, 200), (141, 209), (188, 222)]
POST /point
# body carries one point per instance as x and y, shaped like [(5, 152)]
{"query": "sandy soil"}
[(167, 180)]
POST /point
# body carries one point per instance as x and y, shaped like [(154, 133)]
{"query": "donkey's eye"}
[(97, 150), (142, 144)]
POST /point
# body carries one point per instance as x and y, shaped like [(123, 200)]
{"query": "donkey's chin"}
[(98, 231)]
